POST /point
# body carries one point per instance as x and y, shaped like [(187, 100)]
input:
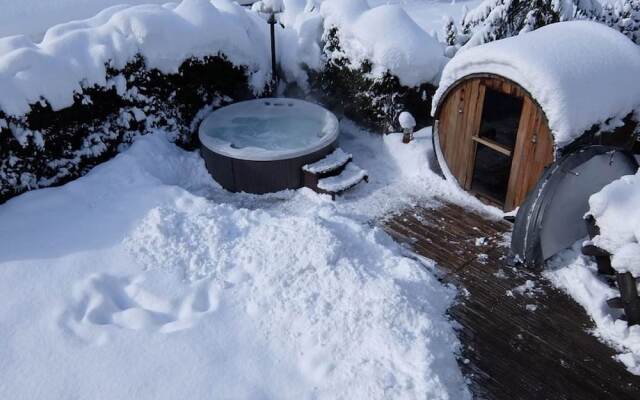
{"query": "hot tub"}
[(260, 146)]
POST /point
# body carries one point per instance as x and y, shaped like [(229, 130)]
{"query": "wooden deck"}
[(511, 351)]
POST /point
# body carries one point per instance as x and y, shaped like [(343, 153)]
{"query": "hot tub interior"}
[(268, 145), (269, 129)]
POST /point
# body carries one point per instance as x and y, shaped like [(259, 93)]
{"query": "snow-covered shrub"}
[(374, 102), (377, 62), (499, 19), (46, 147), (74, 99), (623, 16)]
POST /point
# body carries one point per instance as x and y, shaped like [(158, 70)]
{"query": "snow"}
[(75, 54), (145, 279), (348, 178), (578, 276), (269, 6), (34, 17), (387, 37), (615, 209), (331, 162), (431, 15), (406, 120), (581, 73)]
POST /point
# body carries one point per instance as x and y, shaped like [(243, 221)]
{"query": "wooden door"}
[(533, 152), (459, 121)]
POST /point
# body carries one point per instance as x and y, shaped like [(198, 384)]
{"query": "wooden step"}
[(333, 163), (338, 184)]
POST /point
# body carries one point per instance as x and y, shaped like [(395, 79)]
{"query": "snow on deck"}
[(581, 73), (521, 337)]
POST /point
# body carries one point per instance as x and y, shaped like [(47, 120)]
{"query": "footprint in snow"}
[(105, 300)]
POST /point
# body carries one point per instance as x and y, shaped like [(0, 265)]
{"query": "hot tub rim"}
[(268, 155)]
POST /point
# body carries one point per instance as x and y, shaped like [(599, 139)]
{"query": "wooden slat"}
[(511, 353), (493, 145)]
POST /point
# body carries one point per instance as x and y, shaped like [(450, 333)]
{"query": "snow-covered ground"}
[(144, 279)]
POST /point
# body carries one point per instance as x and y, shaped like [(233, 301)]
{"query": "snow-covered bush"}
[(374, 102), (623, 16), (499, 19), (377, 62), (47, 147), (75, 99)]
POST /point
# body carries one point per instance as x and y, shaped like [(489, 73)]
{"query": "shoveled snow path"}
[(144, 279)]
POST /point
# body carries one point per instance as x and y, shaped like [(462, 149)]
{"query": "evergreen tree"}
[(624, 17), (499, 19)]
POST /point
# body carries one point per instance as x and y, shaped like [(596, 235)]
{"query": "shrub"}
[(374, 102), (47, 147)]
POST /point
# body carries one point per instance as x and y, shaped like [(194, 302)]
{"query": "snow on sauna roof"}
[(581, 73), (75, 53)]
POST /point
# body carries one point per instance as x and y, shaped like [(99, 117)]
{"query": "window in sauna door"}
[(495, 143)]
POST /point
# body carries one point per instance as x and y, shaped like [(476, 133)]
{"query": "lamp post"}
[(271, 8), (274, 68)]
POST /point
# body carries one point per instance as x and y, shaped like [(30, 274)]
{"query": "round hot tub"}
[(260, 146)]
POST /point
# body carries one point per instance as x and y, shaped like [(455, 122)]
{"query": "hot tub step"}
[(336, 185), (333, 163)]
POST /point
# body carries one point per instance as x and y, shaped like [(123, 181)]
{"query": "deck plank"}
[(508, 351)]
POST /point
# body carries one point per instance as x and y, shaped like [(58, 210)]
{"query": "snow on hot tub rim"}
[(222, 147)]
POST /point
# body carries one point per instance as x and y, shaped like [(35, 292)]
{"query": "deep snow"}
[(145, 279)]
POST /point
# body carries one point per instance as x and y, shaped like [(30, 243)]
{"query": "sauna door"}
[(495, 141), (511, 145)]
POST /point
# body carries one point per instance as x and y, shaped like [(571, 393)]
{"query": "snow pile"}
[(617, 214), (387, 37), (578, 276), (406, 120), (149, 281), (73, 55), (581, 73)]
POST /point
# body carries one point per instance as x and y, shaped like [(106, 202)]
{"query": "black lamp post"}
[(274, 69)]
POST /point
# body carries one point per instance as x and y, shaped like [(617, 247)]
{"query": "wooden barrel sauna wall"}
[(493, 138)]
